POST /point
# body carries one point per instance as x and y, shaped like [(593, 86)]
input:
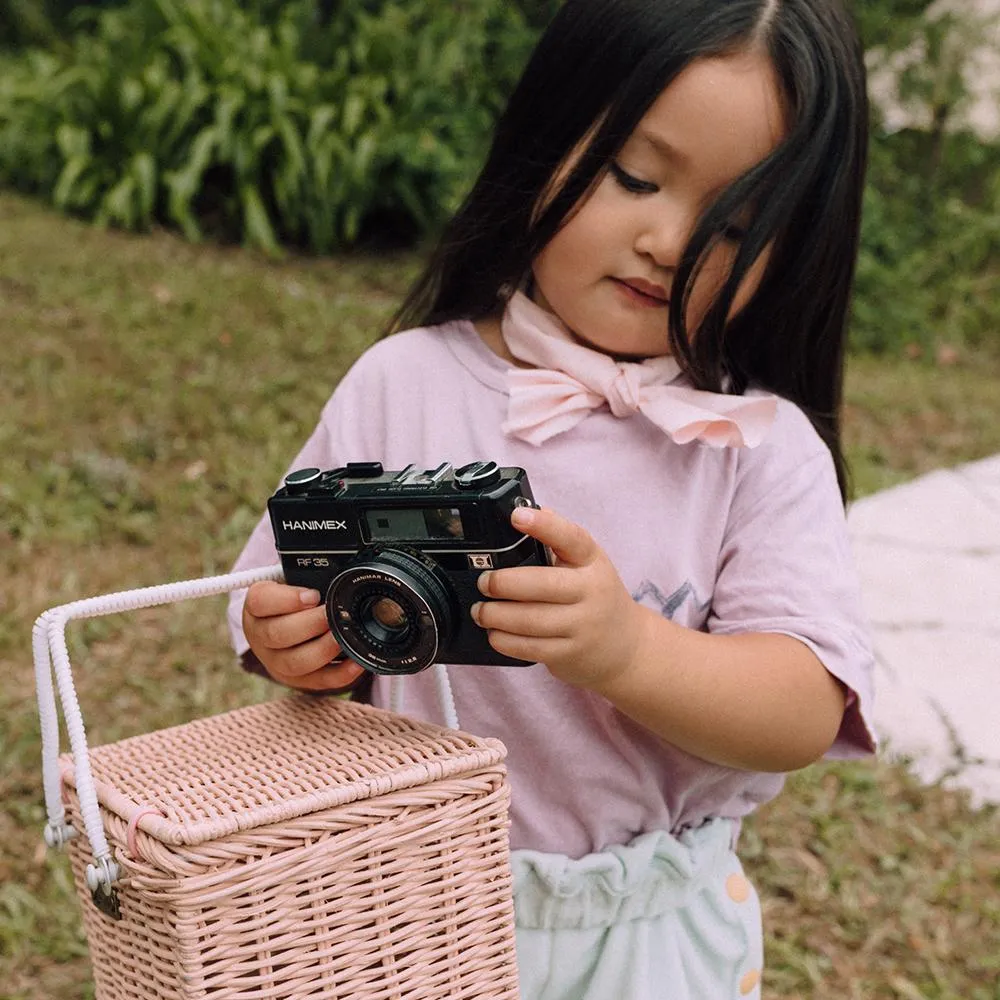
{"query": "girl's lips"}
[(642, 292)]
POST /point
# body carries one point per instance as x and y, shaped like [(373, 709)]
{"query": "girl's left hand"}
[(575, 616)]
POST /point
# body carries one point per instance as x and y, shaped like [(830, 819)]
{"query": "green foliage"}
[(929, 263), (891, 23), (297, 130), (310, 122), (930, 254), (538, 13), (23, 22), (40, 22)]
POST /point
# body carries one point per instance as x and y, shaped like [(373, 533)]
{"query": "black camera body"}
[(396, 555)]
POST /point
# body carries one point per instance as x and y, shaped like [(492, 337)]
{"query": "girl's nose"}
[(662, 237)]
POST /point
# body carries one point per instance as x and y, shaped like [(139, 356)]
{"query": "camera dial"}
[(302, 479), (478, 476), (391, 610)]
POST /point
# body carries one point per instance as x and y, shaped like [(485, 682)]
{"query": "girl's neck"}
[(489, 332), (488, 328)]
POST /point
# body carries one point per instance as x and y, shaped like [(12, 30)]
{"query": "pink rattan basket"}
[(302, 848)]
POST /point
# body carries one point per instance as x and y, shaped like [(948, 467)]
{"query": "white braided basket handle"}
[(51, 654)]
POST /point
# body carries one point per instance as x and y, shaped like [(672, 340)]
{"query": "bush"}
[(929, 263), (930, 253), (271, 123), (40, 22), (23, 23), (310, 122)]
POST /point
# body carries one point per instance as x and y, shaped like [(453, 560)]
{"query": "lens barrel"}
[(391, 610)]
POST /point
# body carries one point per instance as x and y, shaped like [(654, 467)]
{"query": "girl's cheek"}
[(708, 284), (713, 276), (751, 282)]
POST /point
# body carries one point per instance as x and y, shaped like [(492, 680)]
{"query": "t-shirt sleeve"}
[(786, 566), (341, 436)]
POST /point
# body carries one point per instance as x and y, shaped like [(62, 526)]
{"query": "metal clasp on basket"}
[(107, 902), (101, 883)]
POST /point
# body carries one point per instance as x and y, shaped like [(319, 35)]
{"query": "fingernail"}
[(522, 517), (474, 611), (309, 597), (483, 583)]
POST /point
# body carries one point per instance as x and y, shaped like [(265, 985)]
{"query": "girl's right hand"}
[(288, 632)]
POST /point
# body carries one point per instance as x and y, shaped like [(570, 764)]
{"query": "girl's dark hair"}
[(606, 61)]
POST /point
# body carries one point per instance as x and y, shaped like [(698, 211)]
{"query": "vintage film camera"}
[(397, 555)]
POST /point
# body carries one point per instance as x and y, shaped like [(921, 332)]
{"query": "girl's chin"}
[(634, 351)]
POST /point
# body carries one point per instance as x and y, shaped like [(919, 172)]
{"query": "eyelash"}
[(630, 183), (731, 232)]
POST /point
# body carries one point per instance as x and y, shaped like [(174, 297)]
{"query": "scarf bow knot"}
[(570, 380), (622, 392)]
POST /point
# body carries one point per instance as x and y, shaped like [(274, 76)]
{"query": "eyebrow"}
[(672, 153), (663, 147)]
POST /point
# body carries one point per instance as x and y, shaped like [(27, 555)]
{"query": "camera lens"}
[(386, 619), (391, 610)]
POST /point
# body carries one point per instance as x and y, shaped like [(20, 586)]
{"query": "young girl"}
[(643, 303)]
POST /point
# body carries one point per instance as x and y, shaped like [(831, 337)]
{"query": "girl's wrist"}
[(621, 682)]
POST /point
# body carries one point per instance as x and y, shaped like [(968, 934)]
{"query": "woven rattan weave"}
[(302, 848)]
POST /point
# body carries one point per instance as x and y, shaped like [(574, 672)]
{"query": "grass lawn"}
[(153, 392)]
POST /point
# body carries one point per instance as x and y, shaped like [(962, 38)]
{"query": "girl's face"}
[(608, 272)]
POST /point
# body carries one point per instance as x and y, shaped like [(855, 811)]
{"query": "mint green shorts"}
[(661, 918)]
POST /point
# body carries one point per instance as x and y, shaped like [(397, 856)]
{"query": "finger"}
[(299, 661), (529, 648), (544, 584), (548, 621), (285, 631), (268, 597), (331, 678), (570, 543)]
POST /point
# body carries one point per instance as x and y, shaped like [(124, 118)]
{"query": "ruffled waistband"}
[(652, 875)]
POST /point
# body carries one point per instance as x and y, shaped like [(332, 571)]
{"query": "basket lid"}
[(271, 763)]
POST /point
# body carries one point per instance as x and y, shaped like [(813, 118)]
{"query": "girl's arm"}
[(759, 701)]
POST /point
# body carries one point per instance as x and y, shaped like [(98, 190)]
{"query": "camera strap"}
[(446, 697)]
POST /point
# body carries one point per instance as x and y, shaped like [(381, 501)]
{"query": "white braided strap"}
[(50, 654)]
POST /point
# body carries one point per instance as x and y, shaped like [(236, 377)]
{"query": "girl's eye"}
[(631, 183)]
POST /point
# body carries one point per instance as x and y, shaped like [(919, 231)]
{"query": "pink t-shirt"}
[(723, 540)]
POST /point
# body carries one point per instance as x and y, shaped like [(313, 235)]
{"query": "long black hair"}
[(606, 61)]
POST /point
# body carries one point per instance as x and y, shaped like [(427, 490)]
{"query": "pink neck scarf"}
[(570, 380)]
